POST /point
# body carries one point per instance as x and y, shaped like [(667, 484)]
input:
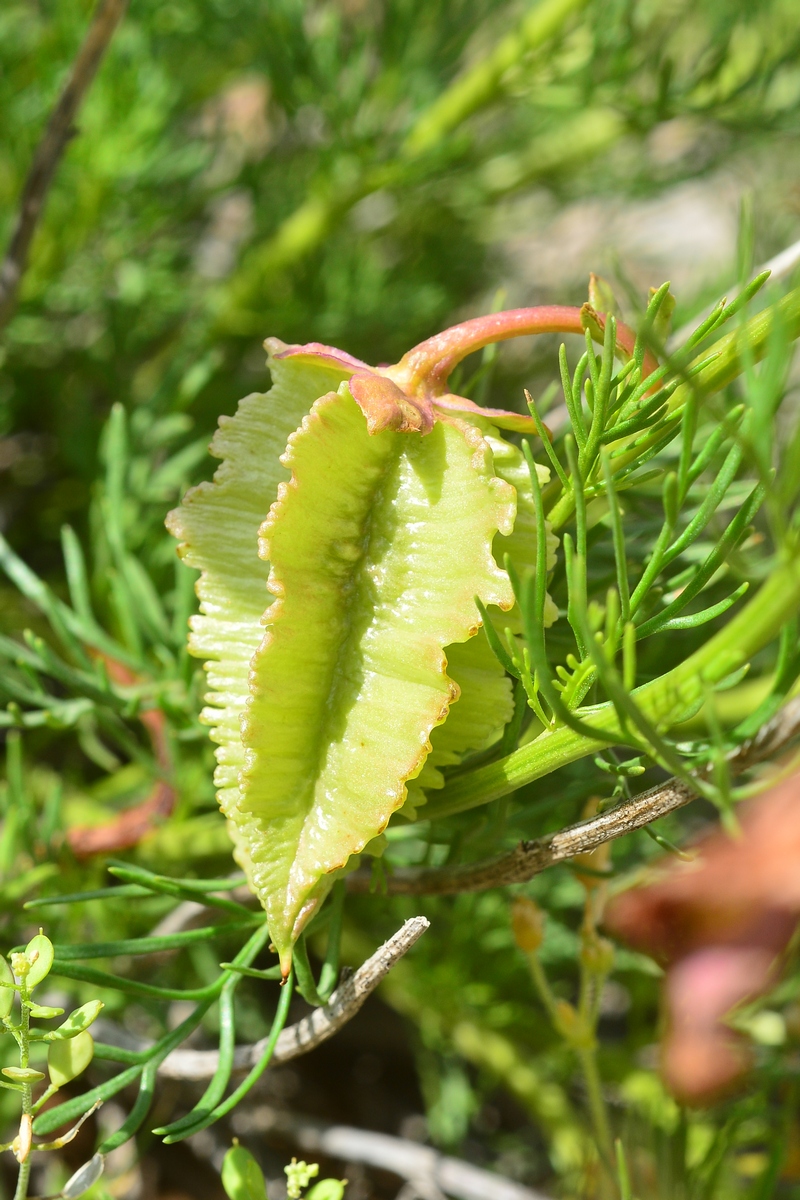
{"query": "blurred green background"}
[(320, 171), (361, 173)]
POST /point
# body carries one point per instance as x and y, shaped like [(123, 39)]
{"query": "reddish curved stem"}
[(428, 366)]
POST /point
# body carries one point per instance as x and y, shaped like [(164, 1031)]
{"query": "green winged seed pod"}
[(327, 1189), (218, 526), (45, 1012), (78, 1020), (67, 1059), (22, 1074), (377, 548), (355, 516), (242, 1177), (39, 953)]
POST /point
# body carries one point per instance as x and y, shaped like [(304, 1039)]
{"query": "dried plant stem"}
[(318, 1026), (529, 858), (51, 148)]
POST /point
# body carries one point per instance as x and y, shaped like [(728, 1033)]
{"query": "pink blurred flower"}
[(719, 925)]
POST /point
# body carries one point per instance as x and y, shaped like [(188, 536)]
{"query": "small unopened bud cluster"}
[(20, 965)]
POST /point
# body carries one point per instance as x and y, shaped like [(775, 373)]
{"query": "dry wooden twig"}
[(51, 148), (529, 858), (318, 1026)]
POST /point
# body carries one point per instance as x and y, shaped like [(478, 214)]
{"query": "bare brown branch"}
[(318, 1026), (51, 148), (529, 858)]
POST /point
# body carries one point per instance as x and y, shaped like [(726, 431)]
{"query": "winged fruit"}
[(355, 517)]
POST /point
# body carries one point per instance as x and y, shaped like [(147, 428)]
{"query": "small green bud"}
[(6, 993), (662, 321), (20, 964), (44, 1012), (67, 1059), (591, 321), (669, 494), (39, 953), (298, 1176), (327, 1189), (242, 1177), (77, 1021), (601, 296), (23, 1074), (596, 614)]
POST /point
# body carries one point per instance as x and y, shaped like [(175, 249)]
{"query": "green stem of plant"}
[(542, 985), (587, 1056), (750, 342), (23, 1176), (665, 701)]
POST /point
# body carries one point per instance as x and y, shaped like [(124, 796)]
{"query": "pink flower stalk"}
[(412, 394)]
